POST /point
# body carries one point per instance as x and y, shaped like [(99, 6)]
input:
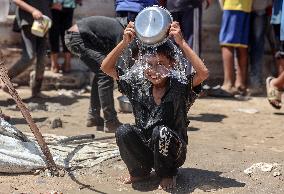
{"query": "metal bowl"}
[(152, 25), (124, 104)]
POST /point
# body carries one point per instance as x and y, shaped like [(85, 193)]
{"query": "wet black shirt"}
[(172, 112)]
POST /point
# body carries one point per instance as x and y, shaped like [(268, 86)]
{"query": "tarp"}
[(20, 152)]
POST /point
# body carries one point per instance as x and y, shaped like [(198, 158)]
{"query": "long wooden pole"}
[(26, 114)]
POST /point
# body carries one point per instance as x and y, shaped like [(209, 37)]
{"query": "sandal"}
[(273, 94), (218, 91)]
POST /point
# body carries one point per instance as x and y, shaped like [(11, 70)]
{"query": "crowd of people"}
[(158, 141), (245, 26)]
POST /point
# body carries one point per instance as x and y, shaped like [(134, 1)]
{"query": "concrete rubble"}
[(261, 166)]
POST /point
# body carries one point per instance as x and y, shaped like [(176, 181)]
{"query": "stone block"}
[(72, 80)]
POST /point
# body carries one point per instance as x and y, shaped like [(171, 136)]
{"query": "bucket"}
[(152, 25), (40, 27), (4, 10)]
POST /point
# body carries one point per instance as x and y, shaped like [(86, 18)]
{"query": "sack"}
[(16, 27)]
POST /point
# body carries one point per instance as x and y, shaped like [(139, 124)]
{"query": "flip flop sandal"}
[(273, 94), (219, 92)]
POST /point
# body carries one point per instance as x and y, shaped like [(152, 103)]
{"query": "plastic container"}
[(40, 27)]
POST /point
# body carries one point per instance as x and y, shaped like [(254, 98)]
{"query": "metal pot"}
[(152, 25), (124, 104)]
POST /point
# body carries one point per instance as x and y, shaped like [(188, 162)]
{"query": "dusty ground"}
[(223, 142)]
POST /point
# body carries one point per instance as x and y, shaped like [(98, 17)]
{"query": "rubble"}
[(55, 123), (262, 166)]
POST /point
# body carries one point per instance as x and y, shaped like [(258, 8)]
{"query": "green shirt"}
[(66, 3)]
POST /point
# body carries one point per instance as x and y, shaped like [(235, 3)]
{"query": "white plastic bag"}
[(17, 153)]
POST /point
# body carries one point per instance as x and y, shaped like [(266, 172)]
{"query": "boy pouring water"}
[(160, 104)]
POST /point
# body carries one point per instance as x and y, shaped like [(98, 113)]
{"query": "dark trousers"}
[(61, 21), (102, 86), (34, 47), (129, 14), (190, 23), (164, 151), (259, 22)]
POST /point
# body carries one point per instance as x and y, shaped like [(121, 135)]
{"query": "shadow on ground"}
[(190, 179), (192, 129), (207, 117), (63, 100)]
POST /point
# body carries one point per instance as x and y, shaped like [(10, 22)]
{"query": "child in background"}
[(275, 86), (160, 105), (233, 38)]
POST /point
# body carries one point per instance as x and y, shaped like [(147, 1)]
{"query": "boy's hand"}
[(37, 14), (129, 33), (175, 32), (57, 6)]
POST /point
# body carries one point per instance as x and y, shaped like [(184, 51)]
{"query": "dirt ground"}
[(223, 142)]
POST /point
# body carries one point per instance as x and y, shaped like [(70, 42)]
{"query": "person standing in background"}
[(234, 36), (258, 26), (130, 8), (189, 15), (275, 86), (34, 47), (62, 17)]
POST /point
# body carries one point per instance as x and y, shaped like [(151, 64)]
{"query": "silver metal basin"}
[(152, 25), (124, 104)]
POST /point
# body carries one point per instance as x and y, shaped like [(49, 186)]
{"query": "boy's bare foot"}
[(168, 183), (132, 179)]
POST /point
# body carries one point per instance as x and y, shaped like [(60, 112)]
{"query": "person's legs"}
[(74, 43), (135, 152), (228, 66), (54, 34), (105, 88), (39, 68), (129, 14), (169, 154), (94, 118), (258, 27), (67, 18), (241, 78), (186, 20), (28, 53)]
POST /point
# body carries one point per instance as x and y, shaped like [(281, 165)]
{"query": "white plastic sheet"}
[(20, 153)]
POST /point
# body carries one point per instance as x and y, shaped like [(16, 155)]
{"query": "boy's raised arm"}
[(108, 64), (202, 72)]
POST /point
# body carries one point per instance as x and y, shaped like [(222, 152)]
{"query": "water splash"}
[(136, 59)]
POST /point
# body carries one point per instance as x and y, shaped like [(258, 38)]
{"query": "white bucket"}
[(4, 9), (40, 27)]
